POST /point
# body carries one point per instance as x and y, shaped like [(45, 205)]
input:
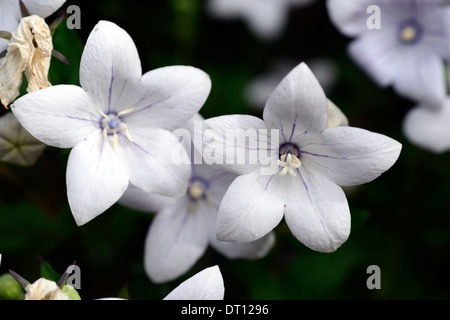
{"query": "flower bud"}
[(10, 289)]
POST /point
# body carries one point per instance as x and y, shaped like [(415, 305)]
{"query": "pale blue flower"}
[(406, 48)]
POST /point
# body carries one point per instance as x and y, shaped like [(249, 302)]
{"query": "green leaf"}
[(10, 289), (48, 272)]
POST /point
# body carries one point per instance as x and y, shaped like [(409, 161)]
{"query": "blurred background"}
[(400, 221)]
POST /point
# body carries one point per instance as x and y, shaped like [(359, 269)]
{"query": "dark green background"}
[(400, 221)]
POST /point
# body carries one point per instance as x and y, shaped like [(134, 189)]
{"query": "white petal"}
[(247, 250), (429, 127), (297, 105), (225, 8), (268, 18), (138, 199), (168, 97), (59, 116), (317, 212), (350, 156), (349, 17), (205, 285), (379, 54), (251, 208), (237, 143), (422, 78), (219, 182), (43, 8), (96, 178), (438, 20), (335, 116), (149, 159), (110, 67), (176, 239)]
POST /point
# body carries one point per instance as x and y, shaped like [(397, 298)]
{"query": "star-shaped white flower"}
[(408, 48), (117, 123), (10, 14), (266, 18), (309, 163), (184, 227), (429, 128)]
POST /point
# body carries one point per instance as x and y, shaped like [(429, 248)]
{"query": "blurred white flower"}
[(266, 18), (184, 227), (118, 123), (429, 128), (407, 50)]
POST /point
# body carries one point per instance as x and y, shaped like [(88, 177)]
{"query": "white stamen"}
[(289, 163), (121, 113)]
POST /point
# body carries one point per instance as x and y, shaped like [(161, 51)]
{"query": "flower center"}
[(112, 124), (198, 190), (410, 32), (289, 159)]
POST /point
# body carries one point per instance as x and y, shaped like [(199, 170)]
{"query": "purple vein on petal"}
[(143, 98), (268, 182), (148, 106), (101, 152), (121, 90), (306, 187), (318, 163), (180, 229), (282, 131), (76, 118), (139, 147), (323, 155), (293, 127), (311, 201), (110, 89)]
